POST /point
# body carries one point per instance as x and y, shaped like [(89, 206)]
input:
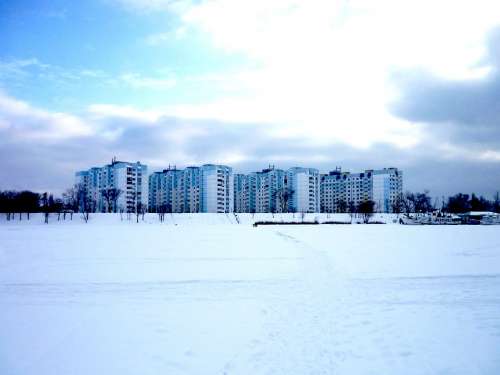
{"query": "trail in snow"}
[(300, 324), (332, 320)]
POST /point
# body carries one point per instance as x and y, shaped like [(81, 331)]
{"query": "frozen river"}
[(117, 298)]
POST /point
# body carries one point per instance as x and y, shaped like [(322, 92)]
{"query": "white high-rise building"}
[(192, 189), (155, 192), (241, 193), (268, 184), (274, 190), (129, 181), (341, 191), (258, 191), (387, 188), (208, 188), (304, 186), (217, 186), (166, 193)]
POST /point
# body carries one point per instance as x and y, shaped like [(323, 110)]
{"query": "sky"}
[(358, 84)]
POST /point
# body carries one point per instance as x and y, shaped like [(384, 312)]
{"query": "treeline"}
[(15, 204), (19, 202), (459, 203), (463, 203)]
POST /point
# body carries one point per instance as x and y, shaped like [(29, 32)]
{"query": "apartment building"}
[(208, 188), (241, 193), (192, 189), (128, 181), (271, 181), (276, 190), (212, 188), (340, 191), (164, 192), (304, 183), (217, 186), (259, 191), (387, 188)]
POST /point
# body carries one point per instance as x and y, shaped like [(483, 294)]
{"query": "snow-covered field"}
[(209, 296)]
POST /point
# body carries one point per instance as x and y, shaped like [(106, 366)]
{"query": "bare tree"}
[(341, 206), (397, 205), (423, 202), (352, 210), (7, 203), (45, 206), (366, 209), (496, 202), (139, 210), (58, 207), (134, 205), (111, 196), (409, 202), (70, 199), (28, 202), (19, 201), (85, 203), (161, 212), (283, 196)]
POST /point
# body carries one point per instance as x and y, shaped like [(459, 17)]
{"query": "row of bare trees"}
[(78, 199), (459, 203), (84, 202), (15, 202)]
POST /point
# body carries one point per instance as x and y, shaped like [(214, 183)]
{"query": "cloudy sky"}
[(353, 83)]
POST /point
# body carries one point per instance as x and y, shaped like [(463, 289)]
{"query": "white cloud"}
[(490, 155), (160, 38), (447, 36), (57, 144), (323, 65), (155, 5), (26, 70), (25, 122), (17, 67), (140, 82), (319, 75), (92, 73), (106, 111)]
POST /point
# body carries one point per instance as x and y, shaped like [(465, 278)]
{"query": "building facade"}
[(163, 193), (208, 188), (241, 195), (259, 191), (213, 188), (387, 188), (342, 191), (276, 190), (304, 183), (119, 186), (217, 186), (192, 189)]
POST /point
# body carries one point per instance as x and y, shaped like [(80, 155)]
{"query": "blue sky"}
[(355, 83), (79, 53)]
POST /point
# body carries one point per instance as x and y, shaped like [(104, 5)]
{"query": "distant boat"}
[(432, 218), (481, 217)]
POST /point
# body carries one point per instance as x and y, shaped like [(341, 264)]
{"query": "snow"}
[(200, 294), (195, 219)]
